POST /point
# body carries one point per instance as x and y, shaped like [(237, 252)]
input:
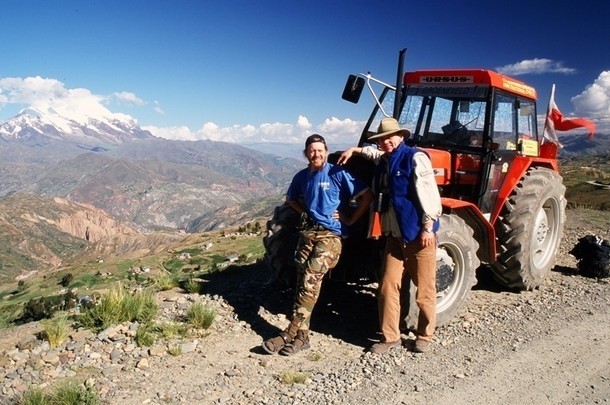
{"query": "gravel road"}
[(551, 345), (548, 346)]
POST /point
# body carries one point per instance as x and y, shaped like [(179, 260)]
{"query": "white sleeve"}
[(371, 152), (426, 188)]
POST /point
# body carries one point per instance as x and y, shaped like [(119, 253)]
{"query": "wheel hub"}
[(444, 271)]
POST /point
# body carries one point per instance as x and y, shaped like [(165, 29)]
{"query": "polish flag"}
[(556, 122)]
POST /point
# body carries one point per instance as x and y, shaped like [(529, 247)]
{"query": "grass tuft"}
[(145, 336), (117, 306), (33, 396), (56, 330), (66, 393), (200, 316), (167, 282), (192, 286), (293, 377), (175, 350), (314, 356)]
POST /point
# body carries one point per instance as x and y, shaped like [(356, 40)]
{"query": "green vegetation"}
[(38, 296), (45, 307), (191, 251), (86, 280), (118, 306), (580, 194), (175, 350), (56, 330), (167, 282), (200, 316), (192, 286), (66, 280), (65, 393), (5, 322), (293, 377), (173, 265), (314, 356), (145, 336), (33, 396)]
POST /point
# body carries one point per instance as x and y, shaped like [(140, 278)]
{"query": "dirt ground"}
[(548, 346)]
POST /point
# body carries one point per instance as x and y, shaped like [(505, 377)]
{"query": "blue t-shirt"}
[(323, 192)]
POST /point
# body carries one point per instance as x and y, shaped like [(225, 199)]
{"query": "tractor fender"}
[(517, 170), (484, 232)]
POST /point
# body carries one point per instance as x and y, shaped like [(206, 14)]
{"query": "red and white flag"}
[(556, 122)]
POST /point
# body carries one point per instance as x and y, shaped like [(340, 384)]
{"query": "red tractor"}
[(503, 198)]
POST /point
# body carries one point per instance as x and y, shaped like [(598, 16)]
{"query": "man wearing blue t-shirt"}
[(320, 193)]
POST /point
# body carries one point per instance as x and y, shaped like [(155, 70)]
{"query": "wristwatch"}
[(428, 229)]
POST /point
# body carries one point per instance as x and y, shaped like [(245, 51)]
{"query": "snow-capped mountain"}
[(33, 123)]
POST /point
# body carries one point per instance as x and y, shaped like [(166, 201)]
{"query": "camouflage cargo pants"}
[(317, 252)]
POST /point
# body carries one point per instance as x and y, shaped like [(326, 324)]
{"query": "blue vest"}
[(403, 195)]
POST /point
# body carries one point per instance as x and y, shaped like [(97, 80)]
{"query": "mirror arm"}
[(399, 78)]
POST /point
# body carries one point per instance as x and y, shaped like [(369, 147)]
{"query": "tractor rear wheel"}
[(530, 229), (456, 264)]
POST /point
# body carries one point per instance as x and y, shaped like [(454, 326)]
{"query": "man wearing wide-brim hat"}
[(409, 202)]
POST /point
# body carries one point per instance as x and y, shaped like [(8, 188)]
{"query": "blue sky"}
[(274, 70)]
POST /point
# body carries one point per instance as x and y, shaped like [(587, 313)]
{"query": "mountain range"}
[(148, 182)]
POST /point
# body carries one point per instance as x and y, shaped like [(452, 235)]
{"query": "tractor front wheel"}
[(456, 264)]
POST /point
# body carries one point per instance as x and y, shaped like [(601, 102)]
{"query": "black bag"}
[(593, 255)]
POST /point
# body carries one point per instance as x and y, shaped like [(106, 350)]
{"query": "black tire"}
[(529, 230), (456, 265), (280, 243)]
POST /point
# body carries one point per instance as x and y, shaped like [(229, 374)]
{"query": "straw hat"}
[(389, 126)]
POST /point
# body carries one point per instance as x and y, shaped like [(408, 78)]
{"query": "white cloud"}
[(128, 98), (79, 104), (51, 95), (333, 129), (158, 108), (535, 66), (181, 133), (31, 90), (594, 101)]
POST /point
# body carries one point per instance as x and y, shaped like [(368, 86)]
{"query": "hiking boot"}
[(275, 344), (384, 347), (421, 346), (300, 342)]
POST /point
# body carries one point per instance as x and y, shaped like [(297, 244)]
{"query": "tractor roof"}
[(468, 77)]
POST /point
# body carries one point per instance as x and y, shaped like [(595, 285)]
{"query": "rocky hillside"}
[(155, 184), (40, 233)]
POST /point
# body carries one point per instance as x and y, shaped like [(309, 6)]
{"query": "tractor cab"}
[(472, 123)]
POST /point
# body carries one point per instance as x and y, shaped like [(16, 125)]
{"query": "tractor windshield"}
[(452, 119)]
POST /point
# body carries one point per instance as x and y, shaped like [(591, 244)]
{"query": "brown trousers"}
[(403, 263)]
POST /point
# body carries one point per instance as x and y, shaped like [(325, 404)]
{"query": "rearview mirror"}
[(353, 89)]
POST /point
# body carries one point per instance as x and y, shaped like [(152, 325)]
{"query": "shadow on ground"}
[(486, 281), (346, 311)]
